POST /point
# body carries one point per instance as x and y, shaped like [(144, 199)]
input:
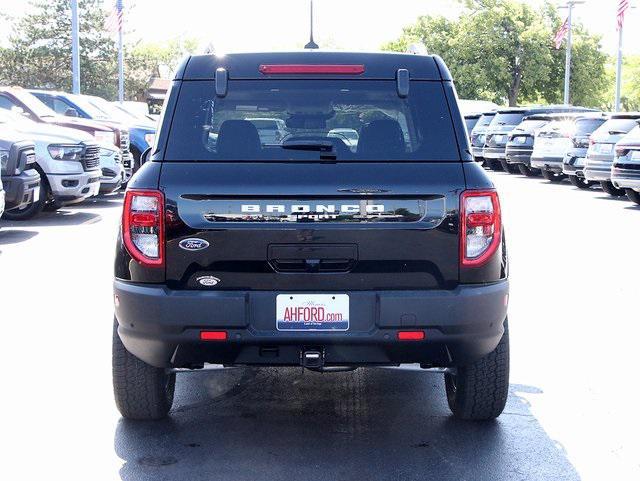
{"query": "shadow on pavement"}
[(102, 201), (14, 236), (61, 217), (286, 424)]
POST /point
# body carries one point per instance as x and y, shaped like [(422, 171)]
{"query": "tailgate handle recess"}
[(313, 258)]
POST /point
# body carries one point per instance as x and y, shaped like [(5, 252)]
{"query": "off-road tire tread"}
[(483, 386), (141, 391)]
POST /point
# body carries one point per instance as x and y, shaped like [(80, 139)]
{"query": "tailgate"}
[(285, 226)]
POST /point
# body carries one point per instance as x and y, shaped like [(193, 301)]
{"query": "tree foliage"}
[(502, 51), (39, 52)]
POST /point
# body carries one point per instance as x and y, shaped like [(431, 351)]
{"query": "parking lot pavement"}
[(572, 413)]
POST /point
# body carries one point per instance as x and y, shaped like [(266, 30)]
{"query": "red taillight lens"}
[(480, 226), (411, 335), (312, 69), (213, 335), (143, 226)]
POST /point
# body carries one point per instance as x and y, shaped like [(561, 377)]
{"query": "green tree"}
[(39, 52), (502, 50)]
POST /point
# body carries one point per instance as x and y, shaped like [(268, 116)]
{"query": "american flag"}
[(622, 8), (115, 20), (561, 33)]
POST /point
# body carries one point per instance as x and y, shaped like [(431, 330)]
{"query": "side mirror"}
[(71, 112), (144, 158)]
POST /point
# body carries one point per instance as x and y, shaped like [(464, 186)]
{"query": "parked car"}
[(625, 172), (470, 121), (478, 135), (17, 161), (551, 144), (601, 149), (520, 144), (138, 110), (503, 123), (21, 101), (575, 158), (142, 132), (348, 136), (67, 160), (77, 106), (271, 131), (306, 253)]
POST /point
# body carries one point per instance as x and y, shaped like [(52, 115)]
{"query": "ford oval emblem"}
[(193, 244), (207, 281)]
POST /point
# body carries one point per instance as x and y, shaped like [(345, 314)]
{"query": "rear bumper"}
[(597, 173), (625, 178), (494, 153), (20, 189), (518, 155), (162, 327), (554, 164)]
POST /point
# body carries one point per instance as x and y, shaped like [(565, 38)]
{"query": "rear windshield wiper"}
[(326, 148)]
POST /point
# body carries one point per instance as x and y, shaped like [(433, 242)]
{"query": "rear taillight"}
[(143, 226), (480, 226), (621, 151)]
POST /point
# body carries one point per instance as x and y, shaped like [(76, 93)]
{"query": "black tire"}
[(553, 176), (479, 391), (141, 391), (507, 167), (633, 196), (580, 182), (31, 210), (493, 164), (528, 171), (609, 188)]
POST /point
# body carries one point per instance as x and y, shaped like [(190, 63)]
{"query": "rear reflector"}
[(312, 69), (411, 335), (213, 335)]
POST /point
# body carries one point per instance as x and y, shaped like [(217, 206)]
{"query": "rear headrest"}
[(238, 139), (380, 139)]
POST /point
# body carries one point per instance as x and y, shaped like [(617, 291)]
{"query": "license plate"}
[(312, 312), (605, 148), (521, 139), (635, 155), (499, 138)]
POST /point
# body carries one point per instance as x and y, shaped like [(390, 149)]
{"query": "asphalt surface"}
[(572, 414)]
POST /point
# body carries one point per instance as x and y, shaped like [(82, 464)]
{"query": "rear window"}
[(351, 120), (507, 119), (470, 123), (531, 125), (615, 127), (587, 126), (485, 120)]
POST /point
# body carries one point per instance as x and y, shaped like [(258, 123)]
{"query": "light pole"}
[(75, 48), (619, 67), (567, 64)]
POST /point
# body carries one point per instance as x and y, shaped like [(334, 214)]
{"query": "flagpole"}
[(619, 71), (120, 67), (567, 63), (75, 48)]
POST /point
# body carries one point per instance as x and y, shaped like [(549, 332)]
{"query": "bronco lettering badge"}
[(193, 244)]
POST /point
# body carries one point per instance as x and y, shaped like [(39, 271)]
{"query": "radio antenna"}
[(311, 44)]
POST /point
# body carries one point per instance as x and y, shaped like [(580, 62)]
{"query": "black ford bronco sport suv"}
[(359, 232)]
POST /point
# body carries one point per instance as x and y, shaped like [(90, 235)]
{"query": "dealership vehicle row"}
[(59, 149), (559, 142)]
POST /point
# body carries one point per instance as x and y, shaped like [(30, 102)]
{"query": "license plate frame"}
[(312, 312)]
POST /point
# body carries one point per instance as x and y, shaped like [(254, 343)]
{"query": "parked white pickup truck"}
[(69, 162)]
